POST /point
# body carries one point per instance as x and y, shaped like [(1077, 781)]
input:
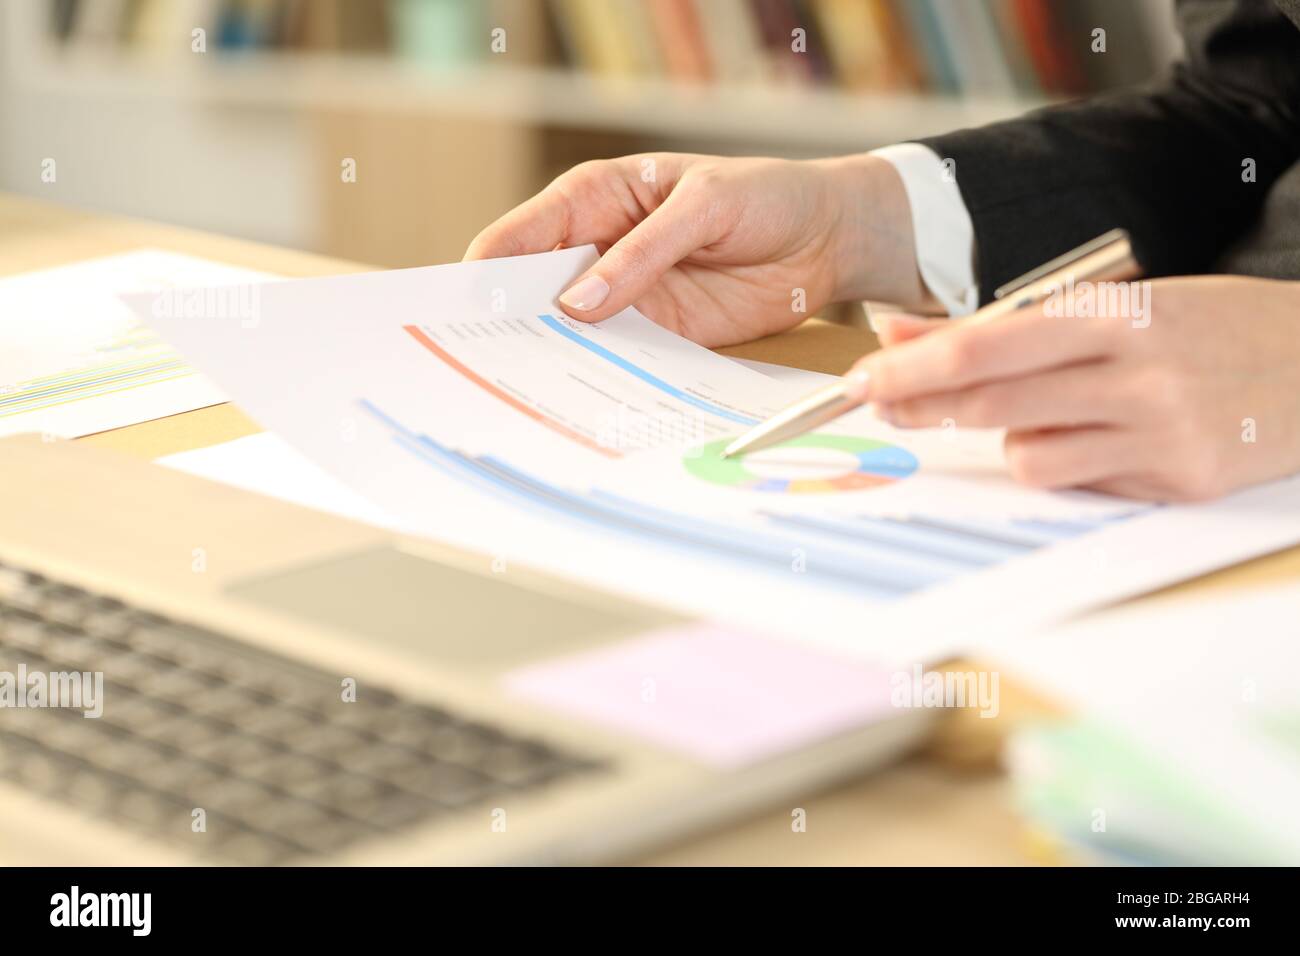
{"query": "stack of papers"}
[(1184, 742), (459, 402)]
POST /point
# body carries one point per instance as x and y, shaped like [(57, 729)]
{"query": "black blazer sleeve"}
[(1164, 162)]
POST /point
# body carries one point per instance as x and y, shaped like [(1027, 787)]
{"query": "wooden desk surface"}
[(948, 806)]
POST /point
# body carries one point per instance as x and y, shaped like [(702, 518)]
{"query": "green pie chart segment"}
[(877, 463)]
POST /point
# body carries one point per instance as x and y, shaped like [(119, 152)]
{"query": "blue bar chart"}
[(882, 558)]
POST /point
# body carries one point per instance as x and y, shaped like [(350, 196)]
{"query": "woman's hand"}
[(1195, 397), (721, 250)]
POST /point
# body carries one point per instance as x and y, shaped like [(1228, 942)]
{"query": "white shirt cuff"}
[(945, 236)]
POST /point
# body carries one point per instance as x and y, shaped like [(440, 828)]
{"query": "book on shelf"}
[(991, 48)]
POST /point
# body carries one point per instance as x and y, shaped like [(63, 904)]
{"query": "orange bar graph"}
[(558, 427)]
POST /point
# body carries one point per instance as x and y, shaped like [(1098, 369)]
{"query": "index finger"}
[(973, 353), (597, 201), (538, 224)]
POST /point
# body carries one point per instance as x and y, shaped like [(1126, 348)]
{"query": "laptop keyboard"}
[(266, 747)]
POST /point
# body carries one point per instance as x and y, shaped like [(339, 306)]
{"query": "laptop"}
[(281, 686)]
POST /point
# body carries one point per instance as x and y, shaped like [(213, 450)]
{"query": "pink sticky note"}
[(723, 696)]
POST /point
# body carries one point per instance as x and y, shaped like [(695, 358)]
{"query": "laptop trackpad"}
[(444, 614)]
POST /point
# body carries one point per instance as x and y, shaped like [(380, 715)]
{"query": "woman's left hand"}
[(1193, 392)]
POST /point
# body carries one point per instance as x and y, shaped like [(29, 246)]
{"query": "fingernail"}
[(858, 383), (586, 295)]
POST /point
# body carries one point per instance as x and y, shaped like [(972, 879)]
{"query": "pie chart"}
[(810, 464)]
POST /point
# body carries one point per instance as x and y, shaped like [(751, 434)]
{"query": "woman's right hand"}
[(721, 250)]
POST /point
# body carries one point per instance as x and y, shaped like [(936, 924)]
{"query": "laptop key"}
[(131, 670), (238, 798), (43, 772), (23, 633), (174, 685), (150, 809), (325, 837), (400, 811), (72, 651), (249, 848), (189, 779), (336, 744), (378, 759), (288, 771), (136, 713), (461, 743), (22, 591), (92, 790), (66, 605), (185, 734), (231, 750), (520, 766), (109, 622)]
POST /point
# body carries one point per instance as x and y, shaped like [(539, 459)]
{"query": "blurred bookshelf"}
[(525, 87), (790, 119)]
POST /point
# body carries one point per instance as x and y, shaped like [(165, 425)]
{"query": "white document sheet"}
[(268, 465), (74, 360), (462, 403)]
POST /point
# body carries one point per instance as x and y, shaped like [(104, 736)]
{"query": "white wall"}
[(143, 152)]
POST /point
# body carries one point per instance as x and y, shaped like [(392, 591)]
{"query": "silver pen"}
[(1108, 258)]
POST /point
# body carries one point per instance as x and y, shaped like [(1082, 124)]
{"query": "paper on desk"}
[(1185, 727), (726, 698), (782, 372), (268, 465), (459, 400), (75, 360)]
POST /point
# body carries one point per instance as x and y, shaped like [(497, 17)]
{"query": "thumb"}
[(631, 267), (894, 327)]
